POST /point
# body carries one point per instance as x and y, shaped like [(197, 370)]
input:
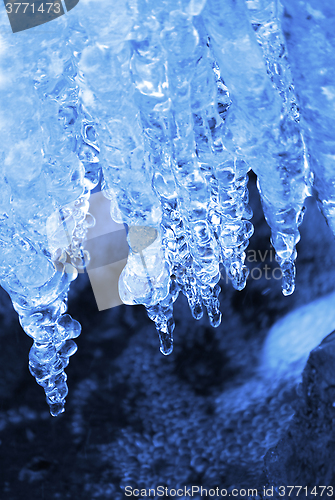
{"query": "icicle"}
[(283, 208), (86, 139), (150, 80), (125, 176), (145, 280), (33, 194), (312, 63), (260, 127), (52, 331), (226, 175), (171, 103), (192, 186)]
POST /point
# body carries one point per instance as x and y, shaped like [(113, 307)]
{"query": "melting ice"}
[(170, 103)]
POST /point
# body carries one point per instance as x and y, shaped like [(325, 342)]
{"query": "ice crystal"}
[(171, 103)]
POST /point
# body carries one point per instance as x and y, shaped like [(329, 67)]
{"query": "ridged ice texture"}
[(311, 47), (172, 102), (43, 197), (290, 152), (261, 128), (226, 173)]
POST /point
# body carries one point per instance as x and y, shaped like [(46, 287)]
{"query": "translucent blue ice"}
[(171, 103)]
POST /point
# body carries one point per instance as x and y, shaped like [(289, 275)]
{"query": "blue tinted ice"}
[(171, 103)]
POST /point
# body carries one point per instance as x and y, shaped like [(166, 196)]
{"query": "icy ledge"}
[(170, 103)]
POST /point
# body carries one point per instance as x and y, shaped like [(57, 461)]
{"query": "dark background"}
[(201, 416)]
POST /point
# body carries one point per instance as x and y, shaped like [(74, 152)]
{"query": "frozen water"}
[(291, 338), (171, 103)]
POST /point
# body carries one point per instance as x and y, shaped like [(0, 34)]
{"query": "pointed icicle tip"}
[(166, 343)]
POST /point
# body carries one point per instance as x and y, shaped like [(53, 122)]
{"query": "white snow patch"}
[(291, 339)]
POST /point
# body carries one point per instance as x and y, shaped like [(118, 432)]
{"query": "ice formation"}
[(291, 339), (170, 103)]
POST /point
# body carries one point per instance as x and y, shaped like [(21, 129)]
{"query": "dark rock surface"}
[(202, 416), (305, 454)]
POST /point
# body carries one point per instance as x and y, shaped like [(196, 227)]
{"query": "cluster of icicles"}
[(169, 104)]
